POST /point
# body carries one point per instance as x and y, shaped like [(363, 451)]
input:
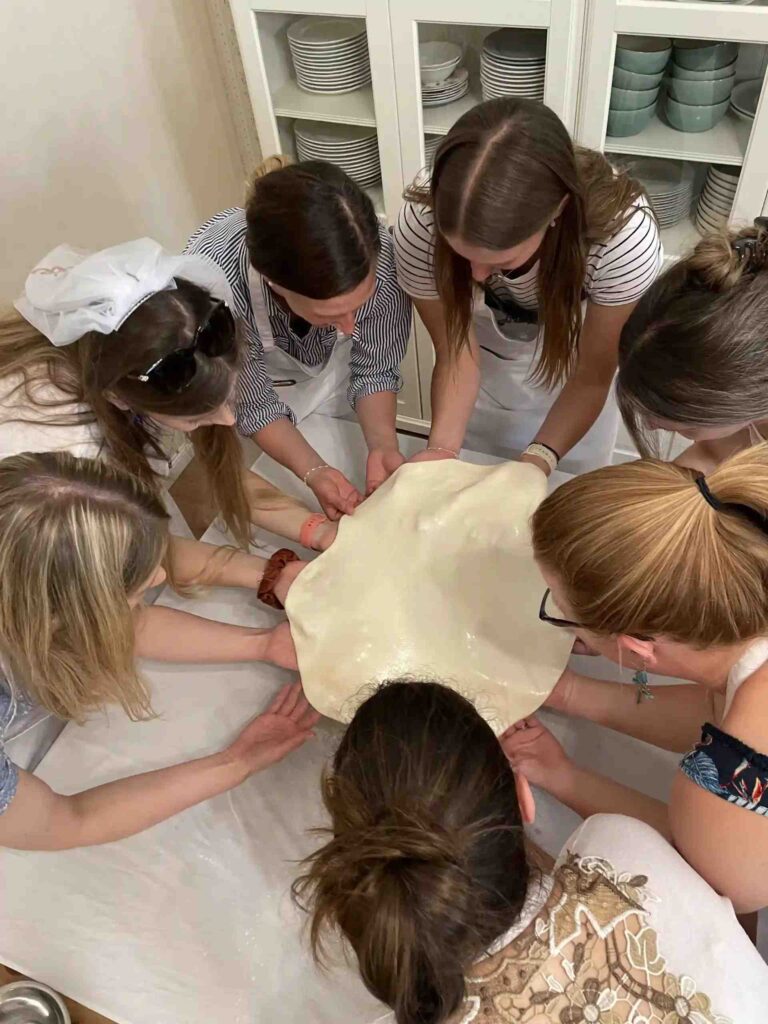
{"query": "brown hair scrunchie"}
[(275, 565)]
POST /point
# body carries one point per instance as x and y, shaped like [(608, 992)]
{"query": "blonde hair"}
[(694, 351), (498, 178), (639, 551), (77, 538)]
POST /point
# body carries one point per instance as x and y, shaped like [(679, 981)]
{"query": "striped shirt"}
[(379, 339), (618, 271)]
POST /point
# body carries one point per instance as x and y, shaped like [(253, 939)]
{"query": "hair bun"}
[(721, 258)]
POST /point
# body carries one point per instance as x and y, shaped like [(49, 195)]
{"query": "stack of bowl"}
[(637, 74), (442, 80), (699, 86)]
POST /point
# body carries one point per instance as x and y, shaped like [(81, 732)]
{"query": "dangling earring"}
[(640, 679), (553, 222)]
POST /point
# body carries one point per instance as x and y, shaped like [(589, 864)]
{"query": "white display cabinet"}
[(580, 46), (732, 141)]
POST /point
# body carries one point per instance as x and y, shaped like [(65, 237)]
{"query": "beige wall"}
[(114, 123)]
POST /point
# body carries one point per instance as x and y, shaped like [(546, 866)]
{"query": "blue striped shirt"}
[(379, 339)]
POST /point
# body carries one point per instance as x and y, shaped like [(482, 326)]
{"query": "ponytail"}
[(426, 865), (639, 551)]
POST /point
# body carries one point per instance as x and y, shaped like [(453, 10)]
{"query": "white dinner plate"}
[(318, 31)]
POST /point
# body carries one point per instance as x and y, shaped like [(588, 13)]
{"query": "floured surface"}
[(433, 577)]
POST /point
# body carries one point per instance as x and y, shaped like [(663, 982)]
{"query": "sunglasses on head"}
[(173, 373)]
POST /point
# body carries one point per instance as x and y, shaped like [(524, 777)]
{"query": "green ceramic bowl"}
[(704, 55), (629, 122), (632, 99), (689, 118), (702, 76), (624, 79), (699, 93), (645, 54)]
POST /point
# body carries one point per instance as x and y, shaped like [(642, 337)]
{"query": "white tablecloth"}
[(190, 922)]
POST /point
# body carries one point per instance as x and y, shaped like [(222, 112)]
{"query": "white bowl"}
[(438, 54)]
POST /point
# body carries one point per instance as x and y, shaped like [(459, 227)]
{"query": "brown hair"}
[(329, 222), (640, 552), (498, 178), (426, 866), (695, 349), (77, 538), (99, 366)]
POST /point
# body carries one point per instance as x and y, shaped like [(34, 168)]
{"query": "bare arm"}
[(376, 414), (584, 393), (727, 844), (672, 720), (289, 447), (167, 634), (40, 819), (455, 382), (534, 751)]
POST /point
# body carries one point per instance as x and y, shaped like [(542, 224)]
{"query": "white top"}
[(628, 933), (752, 659), (618, 271)]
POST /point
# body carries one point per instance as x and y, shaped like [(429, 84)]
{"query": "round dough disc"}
[(432, 578)]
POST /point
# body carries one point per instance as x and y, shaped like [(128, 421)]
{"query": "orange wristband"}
[(308, 528)]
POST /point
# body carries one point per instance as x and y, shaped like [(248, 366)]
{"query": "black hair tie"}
[(745, 511)]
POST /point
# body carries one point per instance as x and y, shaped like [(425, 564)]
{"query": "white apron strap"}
[(257, 284)]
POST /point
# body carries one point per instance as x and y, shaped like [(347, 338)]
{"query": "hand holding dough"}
[(433, 578)]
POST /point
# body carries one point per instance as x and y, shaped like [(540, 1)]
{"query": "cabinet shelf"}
[(344, 108), (440, 120), (726, 143)]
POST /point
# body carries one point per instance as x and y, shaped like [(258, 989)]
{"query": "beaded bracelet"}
[(314, 469)]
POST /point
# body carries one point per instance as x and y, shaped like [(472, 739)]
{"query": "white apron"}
[(306, 389), (509, 409)]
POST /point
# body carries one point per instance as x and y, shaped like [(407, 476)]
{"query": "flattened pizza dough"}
[(432, 578)]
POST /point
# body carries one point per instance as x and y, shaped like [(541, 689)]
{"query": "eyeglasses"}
[(553, 620), (174, 372)]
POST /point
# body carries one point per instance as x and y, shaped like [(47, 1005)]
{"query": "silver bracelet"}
[(448, 451), (541, 451), (314, 469)]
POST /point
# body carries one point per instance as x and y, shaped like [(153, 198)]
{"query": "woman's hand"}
[(286, 578), (279, 648), (534, 751), (337, 496), (432, 455), (285, 725), (325, 535), (381, 464)]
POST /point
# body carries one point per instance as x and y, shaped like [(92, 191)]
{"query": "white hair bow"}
[(70, 293)]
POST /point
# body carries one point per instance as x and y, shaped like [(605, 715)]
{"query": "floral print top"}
[(616, 946)]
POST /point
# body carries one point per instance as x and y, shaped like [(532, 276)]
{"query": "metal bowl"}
[(30, 1002)]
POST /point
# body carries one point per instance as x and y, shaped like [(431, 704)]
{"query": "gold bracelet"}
[(314, 469)]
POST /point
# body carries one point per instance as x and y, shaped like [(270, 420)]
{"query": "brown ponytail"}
[(639, 551), (695, 349), (426, 866)]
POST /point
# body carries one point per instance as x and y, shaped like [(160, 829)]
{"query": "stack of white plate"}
[(744, 98), (351, 147), (431, 142), (512, 63), (716, 199), (669, 185), (330, 54), (450, 89)]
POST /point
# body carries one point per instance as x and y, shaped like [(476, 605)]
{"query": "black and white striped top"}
[(619, 271), (379, 339)]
